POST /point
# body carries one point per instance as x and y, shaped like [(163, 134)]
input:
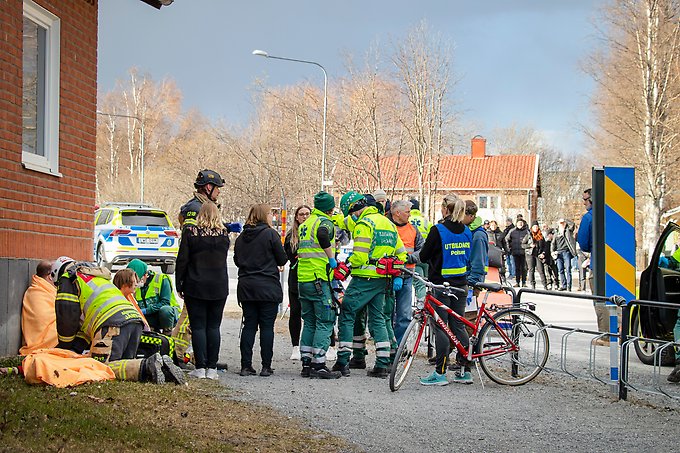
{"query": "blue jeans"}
[(403, 309), (510, 264), (564, 268)]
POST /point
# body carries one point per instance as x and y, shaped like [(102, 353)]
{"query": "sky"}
[(519, 62)]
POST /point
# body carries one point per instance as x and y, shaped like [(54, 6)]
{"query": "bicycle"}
[(511, 345)]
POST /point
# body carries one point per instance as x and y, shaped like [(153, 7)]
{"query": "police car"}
[(124, 231), (658, 282)]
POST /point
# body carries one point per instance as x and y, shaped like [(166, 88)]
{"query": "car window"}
[(144, 218), (103, 217), (671, 244)]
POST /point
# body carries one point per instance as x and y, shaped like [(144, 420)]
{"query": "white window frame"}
[(488, 198), (49, 163)]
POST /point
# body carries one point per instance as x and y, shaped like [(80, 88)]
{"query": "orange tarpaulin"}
[(38, 319), (63, 368)]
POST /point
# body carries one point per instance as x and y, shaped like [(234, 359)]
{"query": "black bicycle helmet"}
[(208, 177)]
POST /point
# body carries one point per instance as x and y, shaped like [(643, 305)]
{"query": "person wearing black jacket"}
[(535, 248), (203, 283), (260, 257), (514, 240), (456, 238), (509, 260)]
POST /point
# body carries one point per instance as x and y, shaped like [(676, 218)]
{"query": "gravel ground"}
[(552, 413)]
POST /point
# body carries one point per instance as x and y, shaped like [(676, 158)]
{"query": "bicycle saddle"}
[(493, 287)]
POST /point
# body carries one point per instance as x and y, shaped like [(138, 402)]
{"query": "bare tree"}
[(637, 101), (423, 69)]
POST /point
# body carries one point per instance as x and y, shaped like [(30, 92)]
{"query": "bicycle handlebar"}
[(445, 287)]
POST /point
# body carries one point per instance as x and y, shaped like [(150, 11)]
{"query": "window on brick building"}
[(40, 98), (488, 202)]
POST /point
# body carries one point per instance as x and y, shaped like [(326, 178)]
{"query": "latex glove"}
[(397, 283), (663, 262), (234, 227), (143, 311), (333, 263)]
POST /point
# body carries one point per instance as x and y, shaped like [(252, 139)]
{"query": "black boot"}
[(152, 369), (343, 369), (171, 372), (378, 372), (357, 364), (306, 367), (322, 372), (675, 375)]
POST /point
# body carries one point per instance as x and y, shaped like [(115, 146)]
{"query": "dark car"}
[(658, 283)]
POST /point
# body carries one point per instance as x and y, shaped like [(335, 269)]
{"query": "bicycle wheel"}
[(406, 353), (516, 348)]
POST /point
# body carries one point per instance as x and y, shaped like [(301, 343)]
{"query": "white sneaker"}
[(295, 355), (198, 373), (211, 373), (331, 354)]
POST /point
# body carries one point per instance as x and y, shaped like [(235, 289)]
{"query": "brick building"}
[(501, 185), (48, 100)]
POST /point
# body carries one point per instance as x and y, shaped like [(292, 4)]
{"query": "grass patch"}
[(129, 416)]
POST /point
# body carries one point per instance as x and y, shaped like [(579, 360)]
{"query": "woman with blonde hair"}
[(259, 256), (290, 245), (203, 283), (447, 251)]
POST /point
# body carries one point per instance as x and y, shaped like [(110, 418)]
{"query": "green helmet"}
[(352, 201)]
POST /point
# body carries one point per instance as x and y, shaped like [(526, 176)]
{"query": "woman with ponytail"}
[(447, 251)]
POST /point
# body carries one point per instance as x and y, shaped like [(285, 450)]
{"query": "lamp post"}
[(262, 53), (141, 148)]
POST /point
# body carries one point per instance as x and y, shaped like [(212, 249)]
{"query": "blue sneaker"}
[(465, 378), (435, 379)]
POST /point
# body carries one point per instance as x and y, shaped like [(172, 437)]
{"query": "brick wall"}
[(43, 216)]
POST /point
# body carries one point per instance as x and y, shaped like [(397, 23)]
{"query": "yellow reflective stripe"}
[(190, 221), (453, 271), (362, 248), (66, 339), (409, 250), (312, 255), (67, 297), (362, 239), (400, 250)]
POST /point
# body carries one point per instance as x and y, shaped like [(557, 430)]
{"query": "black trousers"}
[(258, 315), (205, 318), (295, 320), (442, 343)]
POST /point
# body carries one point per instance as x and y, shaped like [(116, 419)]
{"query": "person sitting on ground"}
[(93, 314), (38, 321), (126, 281), (156, 298)]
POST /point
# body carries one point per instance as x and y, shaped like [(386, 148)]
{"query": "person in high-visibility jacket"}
[(375, 237), (92, 312), (155, 297), (421, 223), (447, 250), (316, 259), (413, 242)]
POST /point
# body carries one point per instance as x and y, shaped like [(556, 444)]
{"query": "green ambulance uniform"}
[(314, 287), (374, 237), (418, 220), (158, 302)]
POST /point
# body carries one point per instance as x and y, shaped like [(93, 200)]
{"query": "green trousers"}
[(318, 315), (165, 319), (359, 339), (370, 293), (388, 313)]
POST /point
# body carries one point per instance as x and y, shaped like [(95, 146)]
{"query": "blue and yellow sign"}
[(619, 231)]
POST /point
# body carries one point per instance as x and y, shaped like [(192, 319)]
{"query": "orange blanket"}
[(62, 368), (38, 319)]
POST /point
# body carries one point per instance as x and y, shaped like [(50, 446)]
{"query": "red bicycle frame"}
[(430, 300)]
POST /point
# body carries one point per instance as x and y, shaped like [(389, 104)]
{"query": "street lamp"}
[(141, 148), (262, 53)]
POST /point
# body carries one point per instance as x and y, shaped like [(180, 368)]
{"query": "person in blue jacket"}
[(479, 250), (584, 237)]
